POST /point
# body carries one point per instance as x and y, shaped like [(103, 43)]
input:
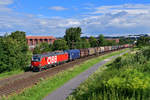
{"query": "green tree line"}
[(14, 52), (143, 41)]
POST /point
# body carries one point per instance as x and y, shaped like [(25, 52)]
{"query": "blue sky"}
[(52, 17)]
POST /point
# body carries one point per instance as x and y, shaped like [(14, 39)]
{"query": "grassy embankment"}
[(126, 78), (45, 87)]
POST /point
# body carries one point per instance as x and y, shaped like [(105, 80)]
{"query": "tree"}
[(14, 53), (110, 42), (37, 50), (143, 41), (42, 48), (93, 42), (20, 38), (72, 36), (85, 43), (102, 41), (3, 56), (60, 44), (45, 47), (123, 40), (11, 58)]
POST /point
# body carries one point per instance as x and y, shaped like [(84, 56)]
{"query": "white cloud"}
[(57, 8), (130, 8), (5, 9), (6, 2)]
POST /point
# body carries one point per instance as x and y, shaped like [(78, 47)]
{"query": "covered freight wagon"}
[(109, 48), (113, 47), (106, 48), (97, 50), (91, 51), (73, 54), (122, 46), (83, 52), (126, 45), (102, 49)]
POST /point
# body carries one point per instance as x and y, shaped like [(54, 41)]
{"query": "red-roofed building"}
[(111, 39), (34, 40)]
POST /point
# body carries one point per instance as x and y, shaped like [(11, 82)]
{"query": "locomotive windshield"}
[(36, 59)]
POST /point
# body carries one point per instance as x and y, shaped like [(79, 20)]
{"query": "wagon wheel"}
[(49, 66)]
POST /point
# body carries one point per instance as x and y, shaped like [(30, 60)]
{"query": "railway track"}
[(16, 84)]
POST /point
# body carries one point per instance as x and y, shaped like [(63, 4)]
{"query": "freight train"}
[(47, 60)]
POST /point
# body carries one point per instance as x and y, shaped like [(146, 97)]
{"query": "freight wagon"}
[(102, 49), (91, 51), (73, 54), (84, 52), (126, 45), (109, 48), (97, 50), (106, 48)]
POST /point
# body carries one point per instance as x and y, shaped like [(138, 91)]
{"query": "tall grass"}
[(43, 88), (127, 78)]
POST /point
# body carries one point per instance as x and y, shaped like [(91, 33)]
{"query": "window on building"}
[(45, 40), (41, 40), (31, 42), (50, 41), (36, 41)]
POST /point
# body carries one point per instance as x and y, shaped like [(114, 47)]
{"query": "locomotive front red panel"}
[(44, 61), (36, 64)]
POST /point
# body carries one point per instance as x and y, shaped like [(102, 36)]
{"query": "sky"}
[(53, 17)]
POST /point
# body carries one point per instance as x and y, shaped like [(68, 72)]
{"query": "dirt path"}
[(68, 88)]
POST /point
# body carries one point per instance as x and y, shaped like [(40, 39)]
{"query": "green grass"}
[(7, 74), (44, 87)]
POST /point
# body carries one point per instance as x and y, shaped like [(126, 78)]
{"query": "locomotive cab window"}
[(36, 59)]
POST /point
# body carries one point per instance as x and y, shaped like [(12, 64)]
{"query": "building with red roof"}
[(111, 39)]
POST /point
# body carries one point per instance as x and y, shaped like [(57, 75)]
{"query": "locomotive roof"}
[(48, 54)]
